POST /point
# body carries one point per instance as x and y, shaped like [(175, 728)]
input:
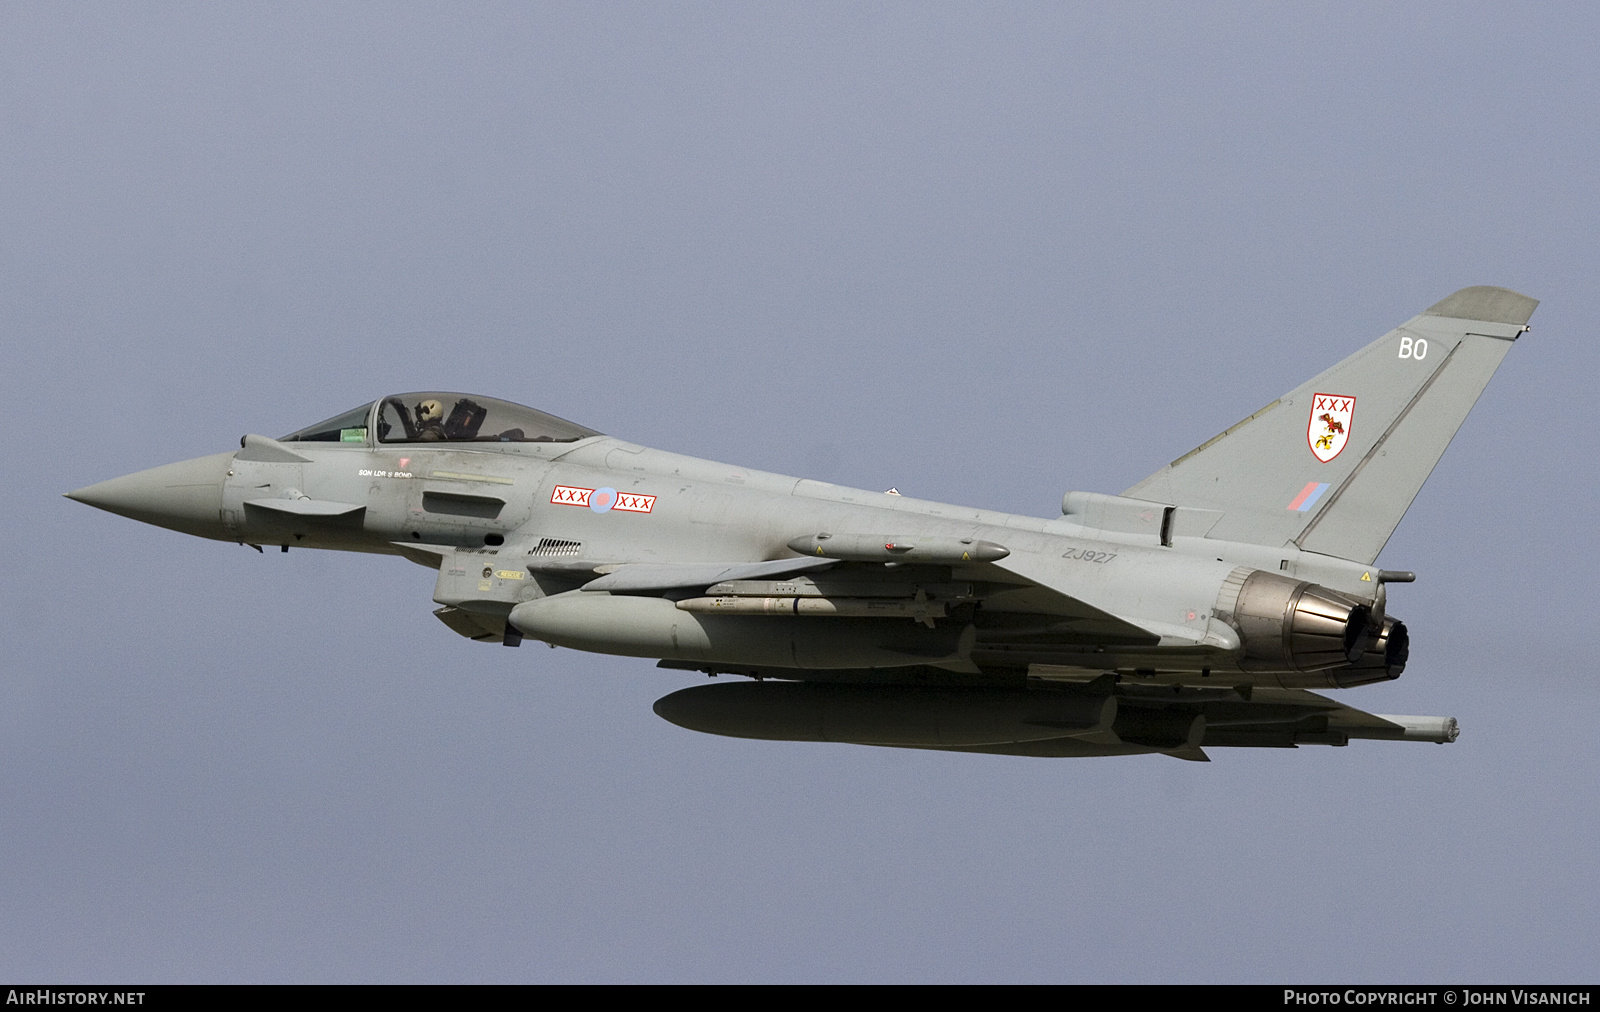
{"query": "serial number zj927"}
[(1088, 555)]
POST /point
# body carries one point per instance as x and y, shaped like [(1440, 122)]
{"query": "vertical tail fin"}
[(1334, 464)]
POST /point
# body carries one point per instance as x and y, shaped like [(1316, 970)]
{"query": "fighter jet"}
[(1198, 609)]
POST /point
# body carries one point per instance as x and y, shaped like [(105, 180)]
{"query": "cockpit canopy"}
[(350, 427), (437, 417)]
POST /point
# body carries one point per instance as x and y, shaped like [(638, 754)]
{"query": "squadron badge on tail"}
[(1329, 428)]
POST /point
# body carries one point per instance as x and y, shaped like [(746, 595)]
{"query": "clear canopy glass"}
[(461, 418), (350, 427)]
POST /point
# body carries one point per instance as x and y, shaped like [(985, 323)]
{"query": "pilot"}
[(430, 421)]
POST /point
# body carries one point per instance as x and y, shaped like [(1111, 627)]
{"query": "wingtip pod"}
[(1487, 303), (1439, 730)]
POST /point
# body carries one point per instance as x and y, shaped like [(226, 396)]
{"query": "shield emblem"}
[(1329, 427)]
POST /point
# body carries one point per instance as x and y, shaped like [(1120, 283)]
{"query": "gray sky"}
[(983, 254)]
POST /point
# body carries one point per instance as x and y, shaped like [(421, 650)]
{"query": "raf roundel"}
[(602, 500)]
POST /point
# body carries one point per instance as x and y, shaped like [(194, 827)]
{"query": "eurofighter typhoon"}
[(1200, 608)]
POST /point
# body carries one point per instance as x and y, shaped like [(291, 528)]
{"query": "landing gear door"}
[(483, 582)]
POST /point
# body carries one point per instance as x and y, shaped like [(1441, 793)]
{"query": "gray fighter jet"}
[(1199, 608)]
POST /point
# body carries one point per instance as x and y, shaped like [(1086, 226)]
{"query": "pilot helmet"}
[(430, 410)]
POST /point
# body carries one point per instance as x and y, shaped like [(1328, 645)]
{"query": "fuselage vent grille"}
[(556, 546)]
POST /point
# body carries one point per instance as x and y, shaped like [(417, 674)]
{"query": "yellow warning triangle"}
[(1366, 577)]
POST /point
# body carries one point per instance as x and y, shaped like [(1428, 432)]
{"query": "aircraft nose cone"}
[(186, 496)]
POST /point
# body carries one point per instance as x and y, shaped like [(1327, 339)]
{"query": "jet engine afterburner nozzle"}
[(1295, 625), (1384, 658)]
